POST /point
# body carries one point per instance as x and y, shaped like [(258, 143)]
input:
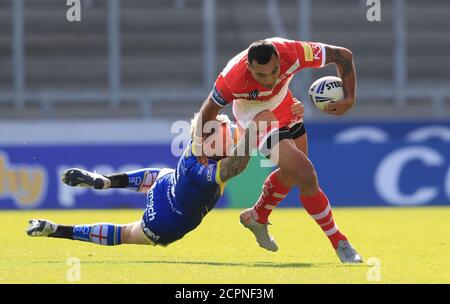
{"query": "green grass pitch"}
[(412, 245)]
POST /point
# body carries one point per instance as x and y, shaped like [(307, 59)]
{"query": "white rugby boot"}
[(40, 228), (260, 231), (347, 254)]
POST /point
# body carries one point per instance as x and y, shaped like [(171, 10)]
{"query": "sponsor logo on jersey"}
[(209, 173), (151, 235), (317, 49), (150, 207), (170, 193), (135, 181), (201, 169), (253, 94)]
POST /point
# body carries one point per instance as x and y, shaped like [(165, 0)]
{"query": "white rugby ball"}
[(325, 90)]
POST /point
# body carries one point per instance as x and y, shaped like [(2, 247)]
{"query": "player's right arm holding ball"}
[(343, 59)]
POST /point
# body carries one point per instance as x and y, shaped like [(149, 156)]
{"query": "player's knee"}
[(305, 175), (133, 234), (126, 234), (130, 234)]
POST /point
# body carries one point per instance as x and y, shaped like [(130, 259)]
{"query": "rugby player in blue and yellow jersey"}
[(176, 200)]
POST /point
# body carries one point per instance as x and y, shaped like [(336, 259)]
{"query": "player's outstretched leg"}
[(248, 219), (138, 180), (100, 233)]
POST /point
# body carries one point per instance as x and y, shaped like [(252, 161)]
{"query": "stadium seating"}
[(162, 49)]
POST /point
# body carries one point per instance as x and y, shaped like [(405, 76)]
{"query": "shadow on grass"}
[(208, 263)]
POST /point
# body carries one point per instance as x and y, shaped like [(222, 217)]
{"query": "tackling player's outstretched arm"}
[(235, 164), (208, 112), (343, 58)]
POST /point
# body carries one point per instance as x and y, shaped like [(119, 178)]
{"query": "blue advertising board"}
[(370, 164)]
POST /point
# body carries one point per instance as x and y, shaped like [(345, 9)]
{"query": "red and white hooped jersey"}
[(236, 85)]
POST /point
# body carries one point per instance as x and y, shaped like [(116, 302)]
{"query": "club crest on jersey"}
[(317, 49), (253, 94)]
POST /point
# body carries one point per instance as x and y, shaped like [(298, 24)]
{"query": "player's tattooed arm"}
[(235, 164), (343, 59)]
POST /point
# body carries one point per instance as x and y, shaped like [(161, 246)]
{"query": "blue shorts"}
[(163, 221)]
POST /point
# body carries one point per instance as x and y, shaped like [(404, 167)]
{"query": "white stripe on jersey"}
[(244, 110)]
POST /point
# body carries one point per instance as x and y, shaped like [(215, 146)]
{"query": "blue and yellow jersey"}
[(179, 199), (197, 187)]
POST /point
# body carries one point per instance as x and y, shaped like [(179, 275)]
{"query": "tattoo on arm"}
[(235, 164), (343, 61)]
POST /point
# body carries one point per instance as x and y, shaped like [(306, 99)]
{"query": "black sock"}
[(119, 180), (65, 232)]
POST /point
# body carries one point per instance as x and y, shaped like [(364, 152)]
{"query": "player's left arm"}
[(343, 59)]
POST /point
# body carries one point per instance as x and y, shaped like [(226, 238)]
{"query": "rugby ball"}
[(325, 90)]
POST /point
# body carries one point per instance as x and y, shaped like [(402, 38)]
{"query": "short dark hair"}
[(261, 51)]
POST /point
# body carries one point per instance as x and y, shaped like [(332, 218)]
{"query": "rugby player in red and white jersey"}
[(257, 79)]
